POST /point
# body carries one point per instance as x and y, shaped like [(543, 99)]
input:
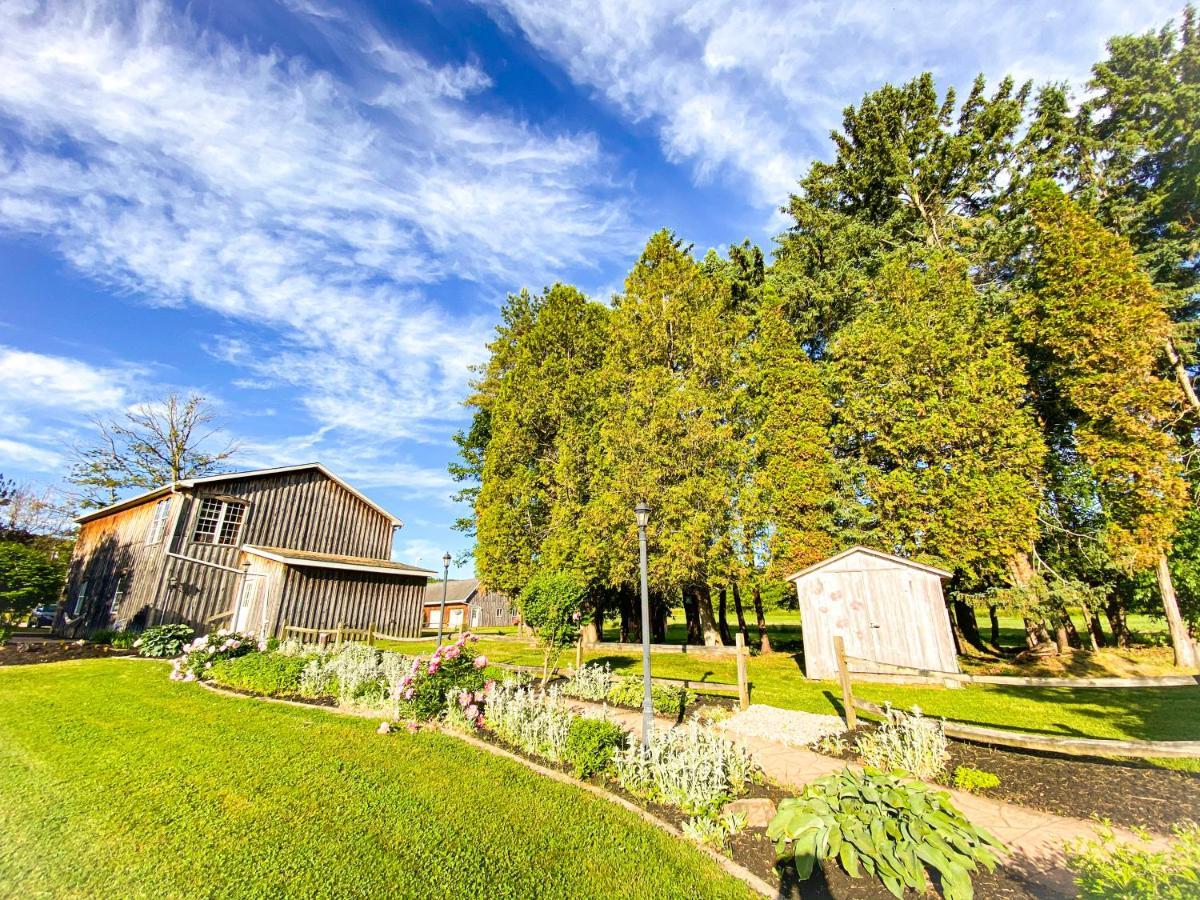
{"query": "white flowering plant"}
[(200, 654), (591, 682), (537, 722)]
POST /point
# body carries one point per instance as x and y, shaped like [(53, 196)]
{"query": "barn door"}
[(250, 610)]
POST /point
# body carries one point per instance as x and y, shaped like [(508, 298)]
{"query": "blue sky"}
[(311, 212)]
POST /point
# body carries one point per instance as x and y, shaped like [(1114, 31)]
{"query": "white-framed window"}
[(219, 521), (158, 526), (80, 598), (118, 596)]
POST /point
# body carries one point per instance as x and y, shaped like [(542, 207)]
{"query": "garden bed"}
[(23, 653), (1129, 793)]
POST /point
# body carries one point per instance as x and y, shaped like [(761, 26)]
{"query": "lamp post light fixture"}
[(445, 585), (642, 511)]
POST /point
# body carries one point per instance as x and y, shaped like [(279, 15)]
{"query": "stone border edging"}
[(731, 868)]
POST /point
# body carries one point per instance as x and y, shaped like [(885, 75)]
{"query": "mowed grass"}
[(118, 782), (777, 679)]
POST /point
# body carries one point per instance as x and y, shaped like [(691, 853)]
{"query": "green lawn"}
[(118, 782), (777, 679)]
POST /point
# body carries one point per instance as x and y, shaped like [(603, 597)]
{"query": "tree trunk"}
[(764, 641), (1114, 611), (598, 623), (723, 618), (658, 619), (1181, 374), (1072, 631), (741, 613), (960, 642), (1060, 637), (626, 601), (691, 613), (1095, 632), (1043, 632), (994, 616), (708, 622), (1185, 650), (968, 624), (1031, 633)]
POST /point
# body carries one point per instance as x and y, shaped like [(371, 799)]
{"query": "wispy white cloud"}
[(188, 169), (751, 88)]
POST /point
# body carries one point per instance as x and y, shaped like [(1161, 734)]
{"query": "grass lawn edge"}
[(732, 868)]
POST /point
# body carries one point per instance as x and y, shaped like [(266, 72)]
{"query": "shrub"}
[(691, 767), (591, 682), (1108, 868), (163, 641), (536, 722), (102, 636), (968, 779), (449, 670), (316, 678), (891, 828), (909, 743), (714, 831), (124, 640), (667, 699), (204, 652), (552, 605), (590, 746), (261, 673)]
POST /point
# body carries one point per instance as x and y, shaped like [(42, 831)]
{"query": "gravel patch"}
[(797, 729)]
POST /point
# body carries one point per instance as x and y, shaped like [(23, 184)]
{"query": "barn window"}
[(158, 526), (219, 522), (80, 598)]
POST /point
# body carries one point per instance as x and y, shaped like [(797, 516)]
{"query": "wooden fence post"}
[(371, 635), (579, 653), (338, 640), (839, 648), (742, 676)]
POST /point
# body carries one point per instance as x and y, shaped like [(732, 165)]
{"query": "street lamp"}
[(642, 511), (445, 585)]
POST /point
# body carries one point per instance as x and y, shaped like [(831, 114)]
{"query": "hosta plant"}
[(877, 823), (163, 641)]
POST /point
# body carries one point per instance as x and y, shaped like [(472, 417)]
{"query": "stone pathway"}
[(1035, 839)]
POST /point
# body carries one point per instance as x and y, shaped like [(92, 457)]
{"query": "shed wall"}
[(325, 598)]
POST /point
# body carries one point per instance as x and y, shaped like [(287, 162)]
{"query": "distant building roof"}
[(335, 561), (458, 590), (232, 476), (878, 554)]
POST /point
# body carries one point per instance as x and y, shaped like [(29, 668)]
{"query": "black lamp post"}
[(445, 585), (642, 511)]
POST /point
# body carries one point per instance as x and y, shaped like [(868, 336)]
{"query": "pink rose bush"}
[(452, 672), (200, 654)]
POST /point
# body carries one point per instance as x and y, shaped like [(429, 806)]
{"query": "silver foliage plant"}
[(357, 674), (906, 742), (535, 721), (691, 767), (591, 682)]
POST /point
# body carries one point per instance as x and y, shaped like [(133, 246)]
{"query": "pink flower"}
[(480, 662), (262, 646), (465, 698), (408, 695), (472, 712), (489, 685), (384, 728), (413, 727), (576, 616)]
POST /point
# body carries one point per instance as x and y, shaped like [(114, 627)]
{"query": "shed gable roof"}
[(316, 560), (458, 590), (878, 554), (235, 476)]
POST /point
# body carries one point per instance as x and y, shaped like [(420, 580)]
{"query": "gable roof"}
[(334, 561), (458, 590), (234, 476), (878, 554)]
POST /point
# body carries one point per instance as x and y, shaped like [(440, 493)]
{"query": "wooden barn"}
[(468, 605), (885, 608), (249, 550)]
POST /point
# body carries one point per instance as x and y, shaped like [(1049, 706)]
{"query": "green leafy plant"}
[(163, 641), (969, 779), (552, 605), (207, 650), (1108, 868), (591, 744), (102, 636), (906, 742), (124, 640), (451, 671), (887, 827), (714, 831), (260, 673), (668, 699), (832, 745)]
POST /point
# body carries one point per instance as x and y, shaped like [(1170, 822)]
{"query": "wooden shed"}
[(886, 608)]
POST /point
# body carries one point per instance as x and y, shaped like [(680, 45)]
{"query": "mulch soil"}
[(22, 653), (1129, 793)]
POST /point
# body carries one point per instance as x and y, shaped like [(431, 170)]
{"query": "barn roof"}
[(233, 476), (890, 557), (458, 590), (334, 561)]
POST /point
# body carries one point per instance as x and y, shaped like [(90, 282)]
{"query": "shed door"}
[(899, 628), (251, 609)]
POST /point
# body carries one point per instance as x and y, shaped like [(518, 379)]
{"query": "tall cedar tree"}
[(1096, 327)]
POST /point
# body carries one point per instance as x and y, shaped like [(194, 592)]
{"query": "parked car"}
[(43, 615)]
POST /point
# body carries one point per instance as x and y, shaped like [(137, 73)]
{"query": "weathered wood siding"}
[(489, 610), (112, 552), (325, 598), (884, 611)]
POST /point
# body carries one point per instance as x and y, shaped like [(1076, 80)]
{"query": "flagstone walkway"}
[(1035, 839)]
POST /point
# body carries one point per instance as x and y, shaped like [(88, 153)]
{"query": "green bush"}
[(668, 700), (968, 779), (891, 828), (124, 640), (121, 640), (163, 641), (102, 636), (591, 744), (1110, 869), (260, 673), (450, 670)]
